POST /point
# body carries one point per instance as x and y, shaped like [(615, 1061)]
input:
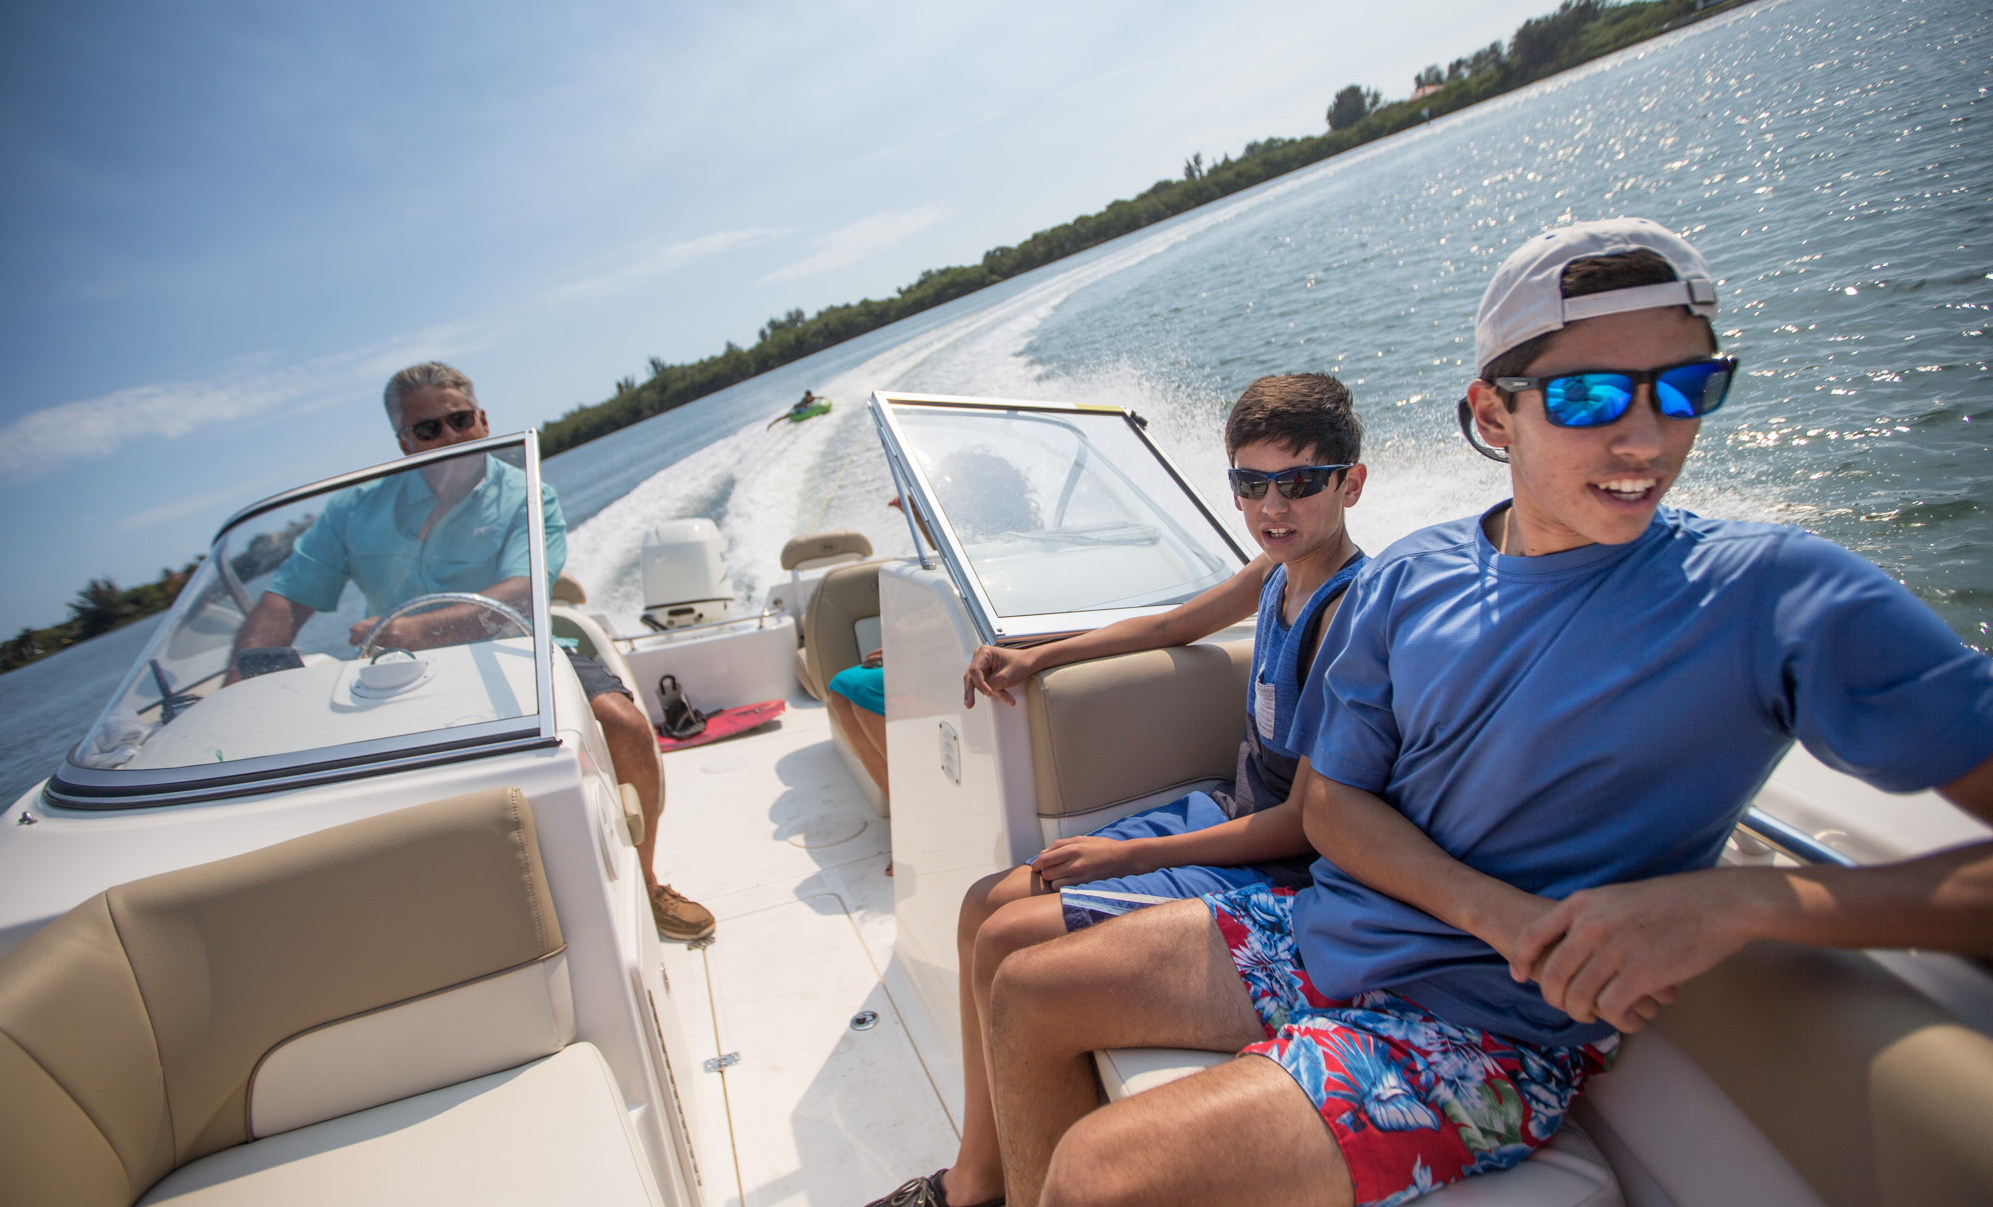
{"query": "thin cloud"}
[(244, 492), (863, 238), (660, 259), (89, 429)]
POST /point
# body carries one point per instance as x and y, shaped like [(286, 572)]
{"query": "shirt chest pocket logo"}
[(1265, 696)]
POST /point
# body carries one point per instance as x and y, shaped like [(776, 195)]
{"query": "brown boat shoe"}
[(678, 916)]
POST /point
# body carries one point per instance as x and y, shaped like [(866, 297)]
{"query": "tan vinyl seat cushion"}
[(803, 675), (843, 597), (548, 1133), (132, 1027), (1874, 1093), (1115, 729)]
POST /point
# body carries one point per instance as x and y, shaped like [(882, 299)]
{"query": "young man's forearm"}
[(1365, 837), (1270, 834), (1601, 948), (1177, 627), (995, 672), (1940, 902)]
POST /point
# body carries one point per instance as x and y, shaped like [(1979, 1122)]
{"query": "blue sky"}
[(222, 226)]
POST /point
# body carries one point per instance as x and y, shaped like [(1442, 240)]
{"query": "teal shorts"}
[(864, 686)]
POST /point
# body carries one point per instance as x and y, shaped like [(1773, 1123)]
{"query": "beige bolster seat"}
[(200, 1010), (815, 549), (1117, 734), (844, 597), (842, 617)]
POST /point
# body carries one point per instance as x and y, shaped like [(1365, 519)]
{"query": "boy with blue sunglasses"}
[(1535, 730)]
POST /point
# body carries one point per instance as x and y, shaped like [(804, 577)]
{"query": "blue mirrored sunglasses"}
[(1594, 399), (1296, 483)]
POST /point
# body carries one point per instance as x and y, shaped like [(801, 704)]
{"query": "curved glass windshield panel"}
[(370, 617), (1063, 510)]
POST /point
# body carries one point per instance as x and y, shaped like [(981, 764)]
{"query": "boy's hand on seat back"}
[(992, 671), (1070, 861)]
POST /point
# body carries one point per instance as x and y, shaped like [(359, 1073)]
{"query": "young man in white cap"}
[(1536, 729)]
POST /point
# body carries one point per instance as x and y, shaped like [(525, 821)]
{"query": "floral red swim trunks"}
[(1413, 1101)]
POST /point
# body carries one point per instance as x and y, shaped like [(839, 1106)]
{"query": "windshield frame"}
[(77, 787), (918, 493)]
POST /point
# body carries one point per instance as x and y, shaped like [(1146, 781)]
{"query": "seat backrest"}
[(568, 591), (1115, 729), (821, 548), (171, 1017), (1870, 1089), (845, 596)]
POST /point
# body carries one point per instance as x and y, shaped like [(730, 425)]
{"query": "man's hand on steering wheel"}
[(438, 618)]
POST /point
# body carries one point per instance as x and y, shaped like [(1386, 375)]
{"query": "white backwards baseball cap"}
[(1526, 297)]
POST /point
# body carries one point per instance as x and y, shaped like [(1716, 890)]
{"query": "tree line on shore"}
[(1578, 31), (97, 609), (103, 605)]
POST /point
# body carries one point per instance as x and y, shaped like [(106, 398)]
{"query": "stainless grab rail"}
[(1790, 840)]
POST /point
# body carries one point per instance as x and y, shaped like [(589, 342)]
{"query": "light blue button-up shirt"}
[(368, 533)]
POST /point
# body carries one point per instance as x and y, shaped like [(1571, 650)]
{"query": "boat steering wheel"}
[(504, 611)]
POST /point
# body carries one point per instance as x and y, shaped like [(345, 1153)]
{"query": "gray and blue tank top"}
[(1267, 757)]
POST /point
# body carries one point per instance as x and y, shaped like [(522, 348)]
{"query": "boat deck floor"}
[(770, 833)]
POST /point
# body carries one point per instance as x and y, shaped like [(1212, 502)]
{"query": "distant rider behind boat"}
[(801, 410)]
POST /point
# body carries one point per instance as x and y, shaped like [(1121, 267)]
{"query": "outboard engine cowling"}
[(685, 575)]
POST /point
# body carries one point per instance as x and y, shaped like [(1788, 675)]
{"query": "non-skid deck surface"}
[(769, 832)]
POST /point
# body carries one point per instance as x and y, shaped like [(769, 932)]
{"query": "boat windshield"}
[(1052, 518), (370, 621)]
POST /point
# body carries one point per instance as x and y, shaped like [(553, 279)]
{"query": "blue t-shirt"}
[(1605, 715), (367, 533)]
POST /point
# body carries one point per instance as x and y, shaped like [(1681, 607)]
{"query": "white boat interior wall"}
[(742, 662)]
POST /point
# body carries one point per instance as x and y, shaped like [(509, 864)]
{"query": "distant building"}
[(1425, 90)]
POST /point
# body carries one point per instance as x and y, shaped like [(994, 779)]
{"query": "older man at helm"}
[(433, 406)]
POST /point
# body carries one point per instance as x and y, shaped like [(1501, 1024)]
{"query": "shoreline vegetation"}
[(1576, 33), (97, 609)]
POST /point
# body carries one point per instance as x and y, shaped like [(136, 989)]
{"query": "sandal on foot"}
[(924, 1192)]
